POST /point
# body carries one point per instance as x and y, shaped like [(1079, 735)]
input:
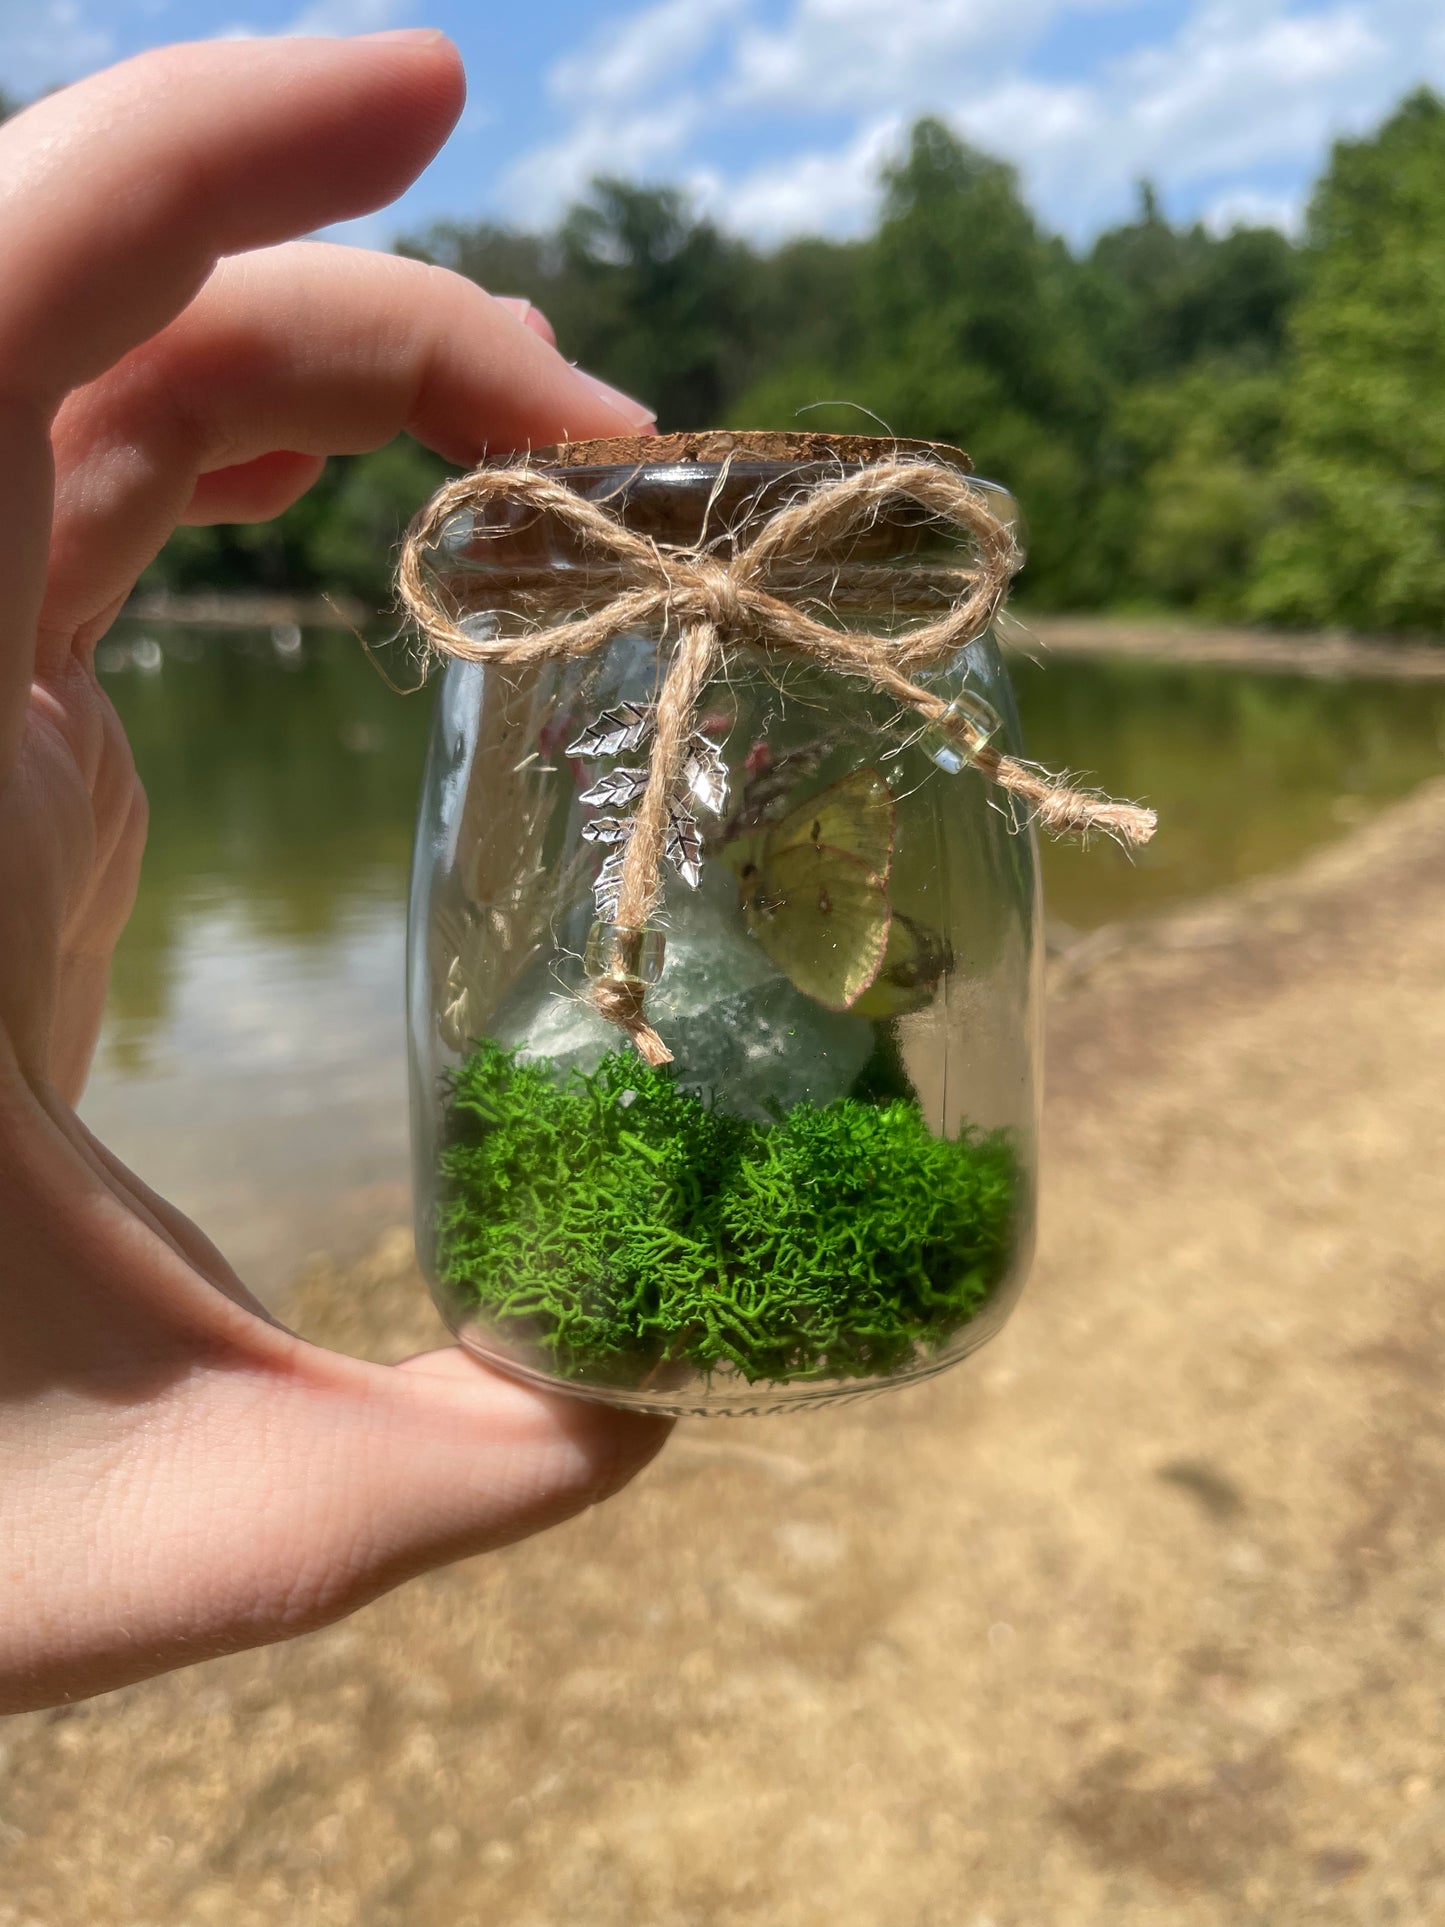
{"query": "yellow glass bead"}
[(635, 956), (964, 728)]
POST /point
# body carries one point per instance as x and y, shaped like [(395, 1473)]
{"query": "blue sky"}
[(777, 114)]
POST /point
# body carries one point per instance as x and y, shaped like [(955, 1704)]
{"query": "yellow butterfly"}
[(913, 966), (814, 888)]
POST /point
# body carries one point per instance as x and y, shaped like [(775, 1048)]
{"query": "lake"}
[(252, 1065)]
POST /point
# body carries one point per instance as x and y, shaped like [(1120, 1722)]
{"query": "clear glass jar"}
[(831, 1189)]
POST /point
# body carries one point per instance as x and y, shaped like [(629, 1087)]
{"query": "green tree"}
[(962, 332), (1192, 330), (638, 288), (342, 534), (1361, 536), (663, 298), (1159, 298), (1126, 396), (804, 300), (1201, 450), (500, 259)]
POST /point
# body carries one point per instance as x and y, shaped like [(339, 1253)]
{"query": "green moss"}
[(620, 1226)]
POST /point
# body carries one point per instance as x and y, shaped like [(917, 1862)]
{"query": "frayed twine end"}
[(1078, 812)]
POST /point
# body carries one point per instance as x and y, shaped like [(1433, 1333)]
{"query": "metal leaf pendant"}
[(705, 774), (608, 886), (613, 734), (607, 829), (684, 845), (702, 784), (619, 787)]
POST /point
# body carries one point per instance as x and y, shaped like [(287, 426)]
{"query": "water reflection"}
[(1247, 771), (251, 1064), (252, 1060), (282, 775)]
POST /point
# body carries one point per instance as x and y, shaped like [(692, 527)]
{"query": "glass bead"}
[(964, 727), (631, 956)]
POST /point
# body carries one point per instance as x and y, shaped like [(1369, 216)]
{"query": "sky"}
[(777, 115)]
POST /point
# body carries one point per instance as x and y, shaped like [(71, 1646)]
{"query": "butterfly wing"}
[(822, 916), (913, 967), (855, 817)]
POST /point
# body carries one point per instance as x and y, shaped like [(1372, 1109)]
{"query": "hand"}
[(178, 1476)]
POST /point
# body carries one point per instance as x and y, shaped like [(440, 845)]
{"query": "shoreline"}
[(1160, 639), (1325, 653), (249, 611)]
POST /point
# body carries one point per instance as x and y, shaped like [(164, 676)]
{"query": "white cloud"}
[(833, 192), (631, 146), (634, 109), (1231, 92), (856, 53), (1027, 120), (645, 52), (1238, 100), (1242, 87), (327, 19)]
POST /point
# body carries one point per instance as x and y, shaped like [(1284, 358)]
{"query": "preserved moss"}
[(623, 1226)]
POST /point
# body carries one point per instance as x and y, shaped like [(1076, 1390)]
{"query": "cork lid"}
[(673, 487), (711, 447)]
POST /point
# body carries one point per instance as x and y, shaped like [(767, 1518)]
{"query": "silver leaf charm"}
[(702, 784), (608, 885), (684, 845), (619, 730), (607, 829), (705, 774), (619, 787)]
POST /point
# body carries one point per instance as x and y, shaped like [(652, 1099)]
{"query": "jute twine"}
[(707, 607)]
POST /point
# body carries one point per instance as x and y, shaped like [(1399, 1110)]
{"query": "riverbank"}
[(1155, 639), (1330, 655), (238, 610), (1133, 1620)]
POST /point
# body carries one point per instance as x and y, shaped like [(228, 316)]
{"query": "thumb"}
[(520, 1458), (381, 1472), (259, 1490)]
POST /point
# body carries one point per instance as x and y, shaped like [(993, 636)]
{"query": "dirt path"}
[(1135, 1622)]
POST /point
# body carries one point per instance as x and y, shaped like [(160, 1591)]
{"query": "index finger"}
[(118, 195)]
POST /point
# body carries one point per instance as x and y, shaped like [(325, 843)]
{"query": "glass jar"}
[(831, 1188)]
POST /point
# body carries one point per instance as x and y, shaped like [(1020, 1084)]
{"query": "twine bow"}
[(710, 606)]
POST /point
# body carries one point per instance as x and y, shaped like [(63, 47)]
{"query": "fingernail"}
[(633, 411), (528, 314), (417, 36)]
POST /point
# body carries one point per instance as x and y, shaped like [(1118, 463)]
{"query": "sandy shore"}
[(1134, 1622), (1329, 654)]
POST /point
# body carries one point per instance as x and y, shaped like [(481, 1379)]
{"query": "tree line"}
[(1241, 426)]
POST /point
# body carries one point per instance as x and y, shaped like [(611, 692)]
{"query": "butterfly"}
[(914, 965), (814, 888)]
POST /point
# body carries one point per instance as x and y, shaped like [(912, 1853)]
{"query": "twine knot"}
[(704, 589), (707, 606)]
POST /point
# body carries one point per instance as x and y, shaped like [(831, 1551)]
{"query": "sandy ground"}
[(1136, 1620)]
